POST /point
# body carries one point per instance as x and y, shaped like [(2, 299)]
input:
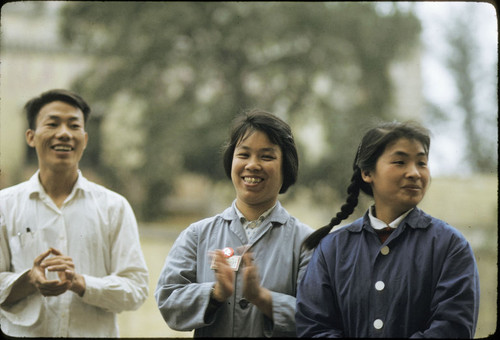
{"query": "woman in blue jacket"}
[(395, 272)]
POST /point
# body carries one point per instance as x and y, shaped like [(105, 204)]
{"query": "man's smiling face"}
[(59, 137)]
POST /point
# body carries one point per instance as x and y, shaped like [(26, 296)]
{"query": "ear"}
[(86, 140), (30, 137), (366, 176)]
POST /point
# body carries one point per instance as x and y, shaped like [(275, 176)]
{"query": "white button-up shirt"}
[(98, 230)]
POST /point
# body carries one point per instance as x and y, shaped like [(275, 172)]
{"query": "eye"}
[(268, 157), (242, 155), (398, 162)]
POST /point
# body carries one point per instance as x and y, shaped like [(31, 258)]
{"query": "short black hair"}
[(34, 105), (277, 131)]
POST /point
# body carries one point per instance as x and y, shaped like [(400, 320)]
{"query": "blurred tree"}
[(194, 65), (465, 63)]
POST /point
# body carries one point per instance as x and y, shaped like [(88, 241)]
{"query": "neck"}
[(253, 212), (58, 185), (387, 215)]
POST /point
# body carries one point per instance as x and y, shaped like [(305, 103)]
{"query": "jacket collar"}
[(416, 219), (277, 216)]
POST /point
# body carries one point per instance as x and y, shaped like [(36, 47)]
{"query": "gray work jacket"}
[(183, 290)]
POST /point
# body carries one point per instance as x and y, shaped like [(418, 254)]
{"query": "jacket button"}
[(378, 324), (379, 285), (385, 250), (243, 303)]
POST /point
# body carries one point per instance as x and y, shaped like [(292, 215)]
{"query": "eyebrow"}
[(270, 149), (73, 118), (404, 154)]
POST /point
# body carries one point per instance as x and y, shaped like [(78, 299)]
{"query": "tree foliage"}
[(465, 64), (193, 66)]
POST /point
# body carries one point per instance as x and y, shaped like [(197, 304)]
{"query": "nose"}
[(253, 164), (63, 132), (413, 171)]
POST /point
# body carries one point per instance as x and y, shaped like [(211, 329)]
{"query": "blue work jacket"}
[(421, 282)]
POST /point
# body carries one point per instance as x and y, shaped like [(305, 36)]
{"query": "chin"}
[(412, 204)]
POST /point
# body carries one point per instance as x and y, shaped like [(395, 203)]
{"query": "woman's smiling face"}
[(401, 177), (256, 172)]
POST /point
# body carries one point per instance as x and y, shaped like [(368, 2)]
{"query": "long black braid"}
[(345, 211)]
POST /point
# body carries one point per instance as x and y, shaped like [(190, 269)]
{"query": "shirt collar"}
[(277, 215), (36, 187), (262, 217), (378, 224)]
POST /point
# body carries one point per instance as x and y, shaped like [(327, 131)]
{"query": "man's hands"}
[(65, 269), (35, 279)]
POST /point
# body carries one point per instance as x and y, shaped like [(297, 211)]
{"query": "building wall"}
[(32, 61)]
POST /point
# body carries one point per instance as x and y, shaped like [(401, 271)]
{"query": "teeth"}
[(252, 180), (62, 148)]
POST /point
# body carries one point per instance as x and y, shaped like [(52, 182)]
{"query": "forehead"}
[(256, 139), (406, 146), (59, 109)]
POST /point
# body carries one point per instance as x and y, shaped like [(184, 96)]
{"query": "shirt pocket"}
[(24, 247)]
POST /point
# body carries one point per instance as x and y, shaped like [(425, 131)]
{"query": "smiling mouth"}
[(64, 148), (252, 180)]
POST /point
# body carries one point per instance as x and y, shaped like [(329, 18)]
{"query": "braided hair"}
[(371, 147)]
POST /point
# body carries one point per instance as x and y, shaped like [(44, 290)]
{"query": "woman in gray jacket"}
[(235, 274)]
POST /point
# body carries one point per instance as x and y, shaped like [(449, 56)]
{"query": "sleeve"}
[(26, 311), (6, 278), (126, 285), (182, 301), (317, 306), (283, 323), (455, 303)]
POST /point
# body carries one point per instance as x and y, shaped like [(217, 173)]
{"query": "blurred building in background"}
[(33, 60)]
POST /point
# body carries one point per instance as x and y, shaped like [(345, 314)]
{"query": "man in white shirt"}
[(70, 257)]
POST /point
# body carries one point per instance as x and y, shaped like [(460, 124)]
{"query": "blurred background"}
[(164, 80)]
